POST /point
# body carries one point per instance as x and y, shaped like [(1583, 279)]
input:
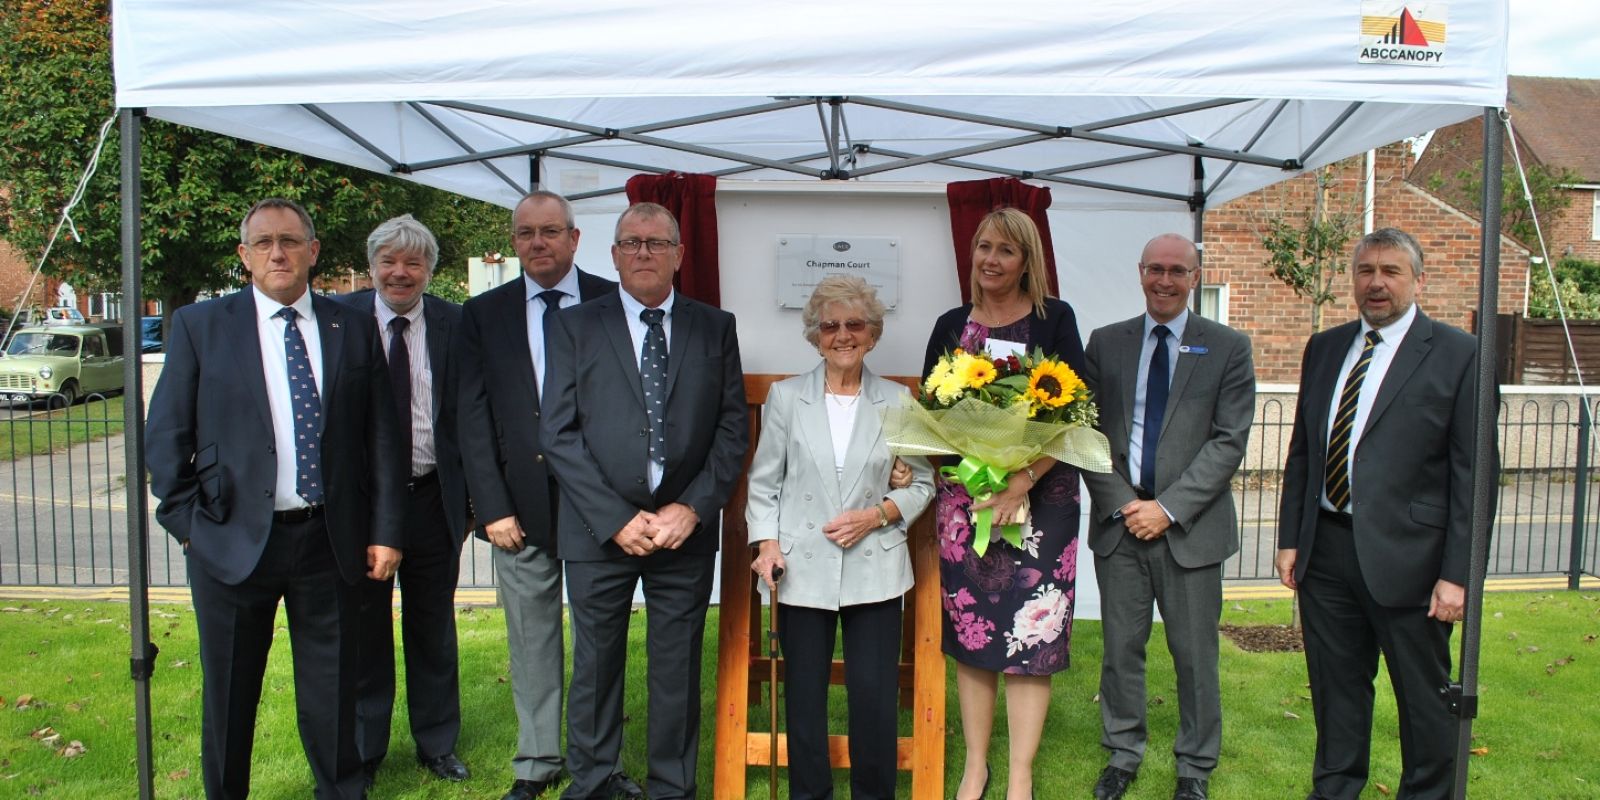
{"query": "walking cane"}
[(772, 685)]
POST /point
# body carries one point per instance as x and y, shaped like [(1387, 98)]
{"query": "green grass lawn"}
[(58, 429), (1537, 736)]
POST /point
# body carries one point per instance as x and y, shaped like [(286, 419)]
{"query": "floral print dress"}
[(1011, 610)]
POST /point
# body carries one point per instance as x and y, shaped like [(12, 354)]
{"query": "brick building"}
[(1252, 300), (1555, 120)]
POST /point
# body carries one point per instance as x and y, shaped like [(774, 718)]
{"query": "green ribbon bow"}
[(982, 481)]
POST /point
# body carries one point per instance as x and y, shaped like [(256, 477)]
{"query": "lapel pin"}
[(333, 324)]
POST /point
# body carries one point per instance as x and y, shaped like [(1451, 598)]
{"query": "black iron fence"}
[(63, 518)]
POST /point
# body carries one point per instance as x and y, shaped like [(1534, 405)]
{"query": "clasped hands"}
[(664, 529), (1145, 519)]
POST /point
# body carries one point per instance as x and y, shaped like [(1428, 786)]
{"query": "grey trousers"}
[(1136, 576), (530, 590)]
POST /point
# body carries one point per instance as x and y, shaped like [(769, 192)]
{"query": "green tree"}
[(1308, 254), (56, 88)]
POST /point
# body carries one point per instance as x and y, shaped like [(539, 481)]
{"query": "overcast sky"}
[(1559, 38)]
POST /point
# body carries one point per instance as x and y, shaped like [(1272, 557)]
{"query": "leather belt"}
[(1336, 517), (432, 477), (304, 514)]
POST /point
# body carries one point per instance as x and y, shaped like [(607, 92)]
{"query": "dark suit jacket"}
[(1210, 406), (1056, 333), (1412, 478), (595, 430), (442, 319), (210, 449), (500, 407)]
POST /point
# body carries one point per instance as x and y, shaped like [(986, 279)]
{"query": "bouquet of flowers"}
[(999, 415)]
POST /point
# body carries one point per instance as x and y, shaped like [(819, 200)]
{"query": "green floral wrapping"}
[(991, 440)]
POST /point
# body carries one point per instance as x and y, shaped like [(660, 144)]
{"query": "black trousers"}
[(677, 590), (871, 671), (1345, 629), (427, 576), (236, 627)]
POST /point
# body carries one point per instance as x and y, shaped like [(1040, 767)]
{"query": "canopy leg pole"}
[(142, 659), (1485, 457), (1197, 206)]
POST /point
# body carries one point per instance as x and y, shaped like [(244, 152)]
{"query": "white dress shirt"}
[(535, 317), (423, 459), (1382, 356), (275, 368), (631, 309)]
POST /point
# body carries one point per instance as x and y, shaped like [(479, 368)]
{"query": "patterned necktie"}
[(653, 376), (1337, 481), (307, 406), (400, 380), (1155, 409)]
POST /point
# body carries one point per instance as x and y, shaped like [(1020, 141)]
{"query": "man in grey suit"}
[(1177, 395), (1375, 525), (502, 373), (645, 423), (419, 333)]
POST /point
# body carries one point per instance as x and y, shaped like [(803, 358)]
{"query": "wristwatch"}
[(883, 516)]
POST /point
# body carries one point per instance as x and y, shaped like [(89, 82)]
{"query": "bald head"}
[(1168, 269)]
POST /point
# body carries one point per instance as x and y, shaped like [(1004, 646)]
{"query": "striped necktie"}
[(1337, 480)]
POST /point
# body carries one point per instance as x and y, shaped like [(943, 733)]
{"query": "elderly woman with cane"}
[(826, 508)]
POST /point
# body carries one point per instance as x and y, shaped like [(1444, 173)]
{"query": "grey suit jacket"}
[(795, 490), (1209, 410), (1411, 480), (594, 424)]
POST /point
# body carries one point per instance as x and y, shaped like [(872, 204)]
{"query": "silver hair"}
[(277, 202), (1393, 238), (648, 211), (545, 194), (843, 290), (403, 234)]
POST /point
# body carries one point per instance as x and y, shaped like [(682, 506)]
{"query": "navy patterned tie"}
[(1337, 478), (1155, 409), (307, 405), (400, 381), (653, 375)]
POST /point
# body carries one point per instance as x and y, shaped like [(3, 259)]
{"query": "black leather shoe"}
[(1190, 789), (528, 790), (622, 787), (447, 767), (1113, 783)]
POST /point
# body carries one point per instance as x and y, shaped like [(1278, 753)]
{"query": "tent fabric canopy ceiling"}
[(1115, 105)]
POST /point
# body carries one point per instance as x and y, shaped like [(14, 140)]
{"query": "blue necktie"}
[(1155, 409), (653, 376), (307, 406)]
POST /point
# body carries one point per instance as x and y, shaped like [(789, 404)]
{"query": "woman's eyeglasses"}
[(851, 325)]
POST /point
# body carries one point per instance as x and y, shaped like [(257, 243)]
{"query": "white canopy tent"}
[(1149, 107)]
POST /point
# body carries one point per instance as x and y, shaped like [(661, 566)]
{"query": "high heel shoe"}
[(984, 792)]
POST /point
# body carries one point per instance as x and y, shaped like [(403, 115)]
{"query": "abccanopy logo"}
[(1408, 33)]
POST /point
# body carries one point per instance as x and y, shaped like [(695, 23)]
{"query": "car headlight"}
[(46, 372)]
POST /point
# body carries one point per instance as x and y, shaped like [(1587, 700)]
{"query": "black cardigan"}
[(1056, 331)]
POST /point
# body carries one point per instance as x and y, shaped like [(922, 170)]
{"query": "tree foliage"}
[(1577, 284), (1307, 254), (56, 89), (1546, 184)]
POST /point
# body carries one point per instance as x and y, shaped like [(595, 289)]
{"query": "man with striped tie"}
[(1374, 528), (272, 444)]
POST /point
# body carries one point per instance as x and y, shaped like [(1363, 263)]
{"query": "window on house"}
[(1214, 302)]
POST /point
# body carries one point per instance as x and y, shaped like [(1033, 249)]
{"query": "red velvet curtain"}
[(692, 199), (971, 201)]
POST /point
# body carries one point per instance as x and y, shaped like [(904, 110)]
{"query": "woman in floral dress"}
[(1009, 611)]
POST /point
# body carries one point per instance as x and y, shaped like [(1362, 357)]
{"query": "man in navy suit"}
[(419, 331), (1374, 527), (645, 425), (271, 444), (513, 491)]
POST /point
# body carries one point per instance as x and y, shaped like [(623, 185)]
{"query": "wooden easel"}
[(742, 669)]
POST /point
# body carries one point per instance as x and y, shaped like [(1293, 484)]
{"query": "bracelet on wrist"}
[(883, 516), (1032, 478)]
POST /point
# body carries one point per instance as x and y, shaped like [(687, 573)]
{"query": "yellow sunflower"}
[(975, 372), (1053, 384)]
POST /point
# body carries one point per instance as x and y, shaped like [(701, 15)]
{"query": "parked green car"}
[(62, 362)]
